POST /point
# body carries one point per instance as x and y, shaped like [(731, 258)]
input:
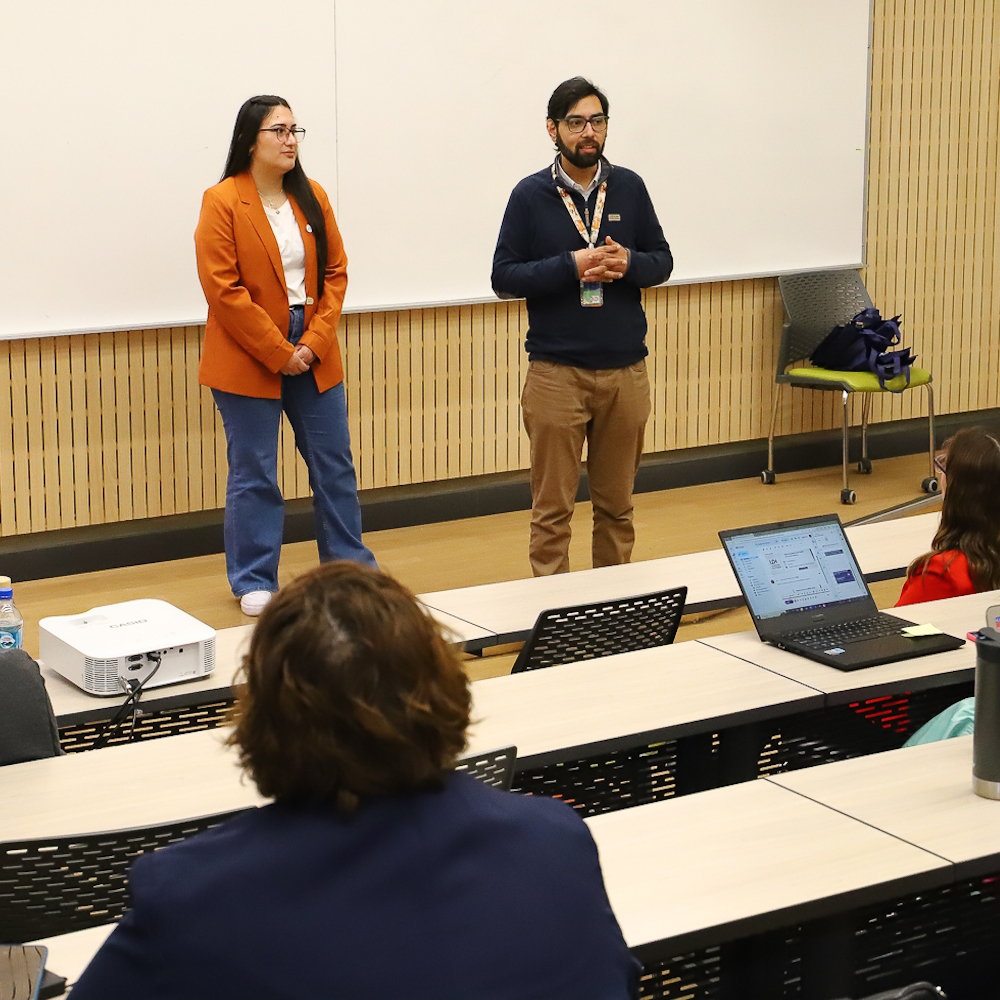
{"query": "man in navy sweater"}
[(579, 240)]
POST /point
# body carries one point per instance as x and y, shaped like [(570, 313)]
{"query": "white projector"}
[(104, 648)]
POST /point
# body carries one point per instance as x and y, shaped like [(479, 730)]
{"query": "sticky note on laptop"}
[(915, 631)]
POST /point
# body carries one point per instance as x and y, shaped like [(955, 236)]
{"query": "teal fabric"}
[(956, 720)]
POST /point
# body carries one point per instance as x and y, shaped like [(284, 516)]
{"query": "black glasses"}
[(940, 461), (577, 123), (282, 133)]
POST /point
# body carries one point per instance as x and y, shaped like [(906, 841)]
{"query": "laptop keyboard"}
[(832, 636)]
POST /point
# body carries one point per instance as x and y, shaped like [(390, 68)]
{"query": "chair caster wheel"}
[(767, 477), (865, 466), (848, 496), (931, 485)]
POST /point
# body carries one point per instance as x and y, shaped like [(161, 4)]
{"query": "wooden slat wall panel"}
[(103, 427)]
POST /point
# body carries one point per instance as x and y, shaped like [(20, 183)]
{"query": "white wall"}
[(745, 117)]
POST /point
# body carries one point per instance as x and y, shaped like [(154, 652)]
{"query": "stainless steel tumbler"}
[(986, 736)]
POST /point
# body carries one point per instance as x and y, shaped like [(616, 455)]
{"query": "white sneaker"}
[(253, 604)]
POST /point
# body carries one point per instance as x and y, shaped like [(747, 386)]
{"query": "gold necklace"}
[(267, 201)]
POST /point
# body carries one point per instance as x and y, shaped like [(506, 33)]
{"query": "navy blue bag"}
[(862, 345)]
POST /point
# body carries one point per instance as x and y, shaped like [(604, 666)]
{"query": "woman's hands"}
[(299, 362)]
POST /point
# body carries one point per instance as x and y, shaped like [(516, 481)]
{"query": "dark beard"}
[(582, 160)]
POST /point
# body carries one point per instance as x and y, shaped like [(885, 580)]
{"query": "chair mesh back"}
[(63, 884), (565, 635), (494, 767), (816, 302)]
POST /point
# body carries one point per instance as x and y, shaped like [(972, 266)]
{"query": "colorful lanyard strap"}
[(595, 229)]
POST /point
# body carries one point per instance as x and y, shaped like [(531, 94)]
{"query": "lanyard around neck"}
[(589, 238)]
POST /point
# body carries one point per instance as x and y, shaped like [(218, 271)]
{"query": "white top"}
[(293, 251)]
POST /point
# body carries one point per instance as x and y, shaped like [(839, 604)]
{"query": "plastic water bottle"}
[(11, 622)]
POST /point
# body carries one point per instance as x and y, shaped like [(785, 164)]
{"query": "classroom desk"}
[(74, 707), (744, 860), (508, 610), (736, 863), (920, 794), (123, 787), (956, 616), (740, 889), (70, 826), (576, 710)]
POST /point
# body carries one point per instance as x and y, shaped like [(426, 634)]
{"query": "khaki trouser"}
[(562, 407)]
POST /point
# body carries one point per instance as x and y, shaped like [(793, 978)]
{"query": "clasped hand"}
[(602, 263), (299, 362)]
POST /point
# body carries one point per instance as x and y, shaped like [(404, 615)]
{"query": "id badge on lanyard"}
[(591, 292)]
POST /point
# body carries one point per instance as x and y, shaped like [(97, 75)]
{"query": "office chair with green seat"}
[(816, 302)]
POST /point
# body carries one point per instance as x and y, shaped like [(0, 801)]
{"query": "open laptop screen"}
[(786, 568)]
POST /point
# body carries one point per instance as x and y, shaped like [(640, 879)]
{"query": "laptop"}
[(806, 594)]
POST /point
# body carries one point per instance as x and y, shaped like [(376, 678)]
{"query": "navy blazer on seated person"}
[(467, 892)]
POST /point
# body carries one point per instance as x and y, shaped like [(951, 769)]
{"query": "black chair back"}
[(493, 767), (585, 632), (815, 302), (28, 728)]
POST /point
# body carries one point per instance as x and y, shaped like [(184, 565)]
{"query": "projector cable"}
[(135, 689)]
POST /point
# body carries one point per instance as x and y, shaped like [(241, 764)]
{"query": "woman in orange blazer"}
[(274, 272)]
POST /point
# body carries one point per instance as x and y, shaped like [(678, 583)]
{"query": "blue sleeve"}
[(563, 885), (129, 962), (650, 261), (515, 274)]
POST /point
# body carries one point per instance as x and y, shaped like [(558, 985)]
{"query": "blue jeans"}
[(255, 508)]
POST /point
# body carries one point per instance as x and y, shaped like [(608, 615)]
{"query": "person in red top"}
[(965, 553)]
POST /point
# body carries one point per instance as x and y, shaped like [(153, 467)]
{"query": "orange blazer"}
[(239, 264)]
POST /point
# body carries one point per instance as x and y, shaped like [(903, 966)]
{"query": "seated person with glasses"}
[(965, 552), (378, 871)]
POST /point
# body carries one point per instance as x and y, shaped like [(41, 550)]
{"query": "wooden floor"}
[(494, 548)]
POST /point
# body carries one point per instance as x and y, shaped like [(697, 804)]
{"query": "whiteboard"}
[(746, 118), (126, 111)]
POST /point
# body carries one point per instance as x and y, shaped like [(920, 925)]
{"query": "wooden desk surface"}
[(577, 709), (509, 609), (462, 632), (920, 794), (956, 616), (123, 787), (715, 866)]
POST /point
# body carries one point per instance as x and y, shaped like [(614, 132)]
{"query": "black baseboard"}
[(68, 551)]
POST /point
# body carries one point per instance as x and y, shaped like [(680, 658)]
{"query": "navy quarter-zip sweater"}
[(534, 260)]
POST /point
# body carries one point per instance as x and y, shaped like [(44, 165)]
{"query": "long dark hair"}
[(245, 131), (970, 512)]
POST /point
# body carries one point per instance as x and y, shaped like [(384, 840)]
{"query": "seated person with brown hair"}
[(965, 552), (378, 871)]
